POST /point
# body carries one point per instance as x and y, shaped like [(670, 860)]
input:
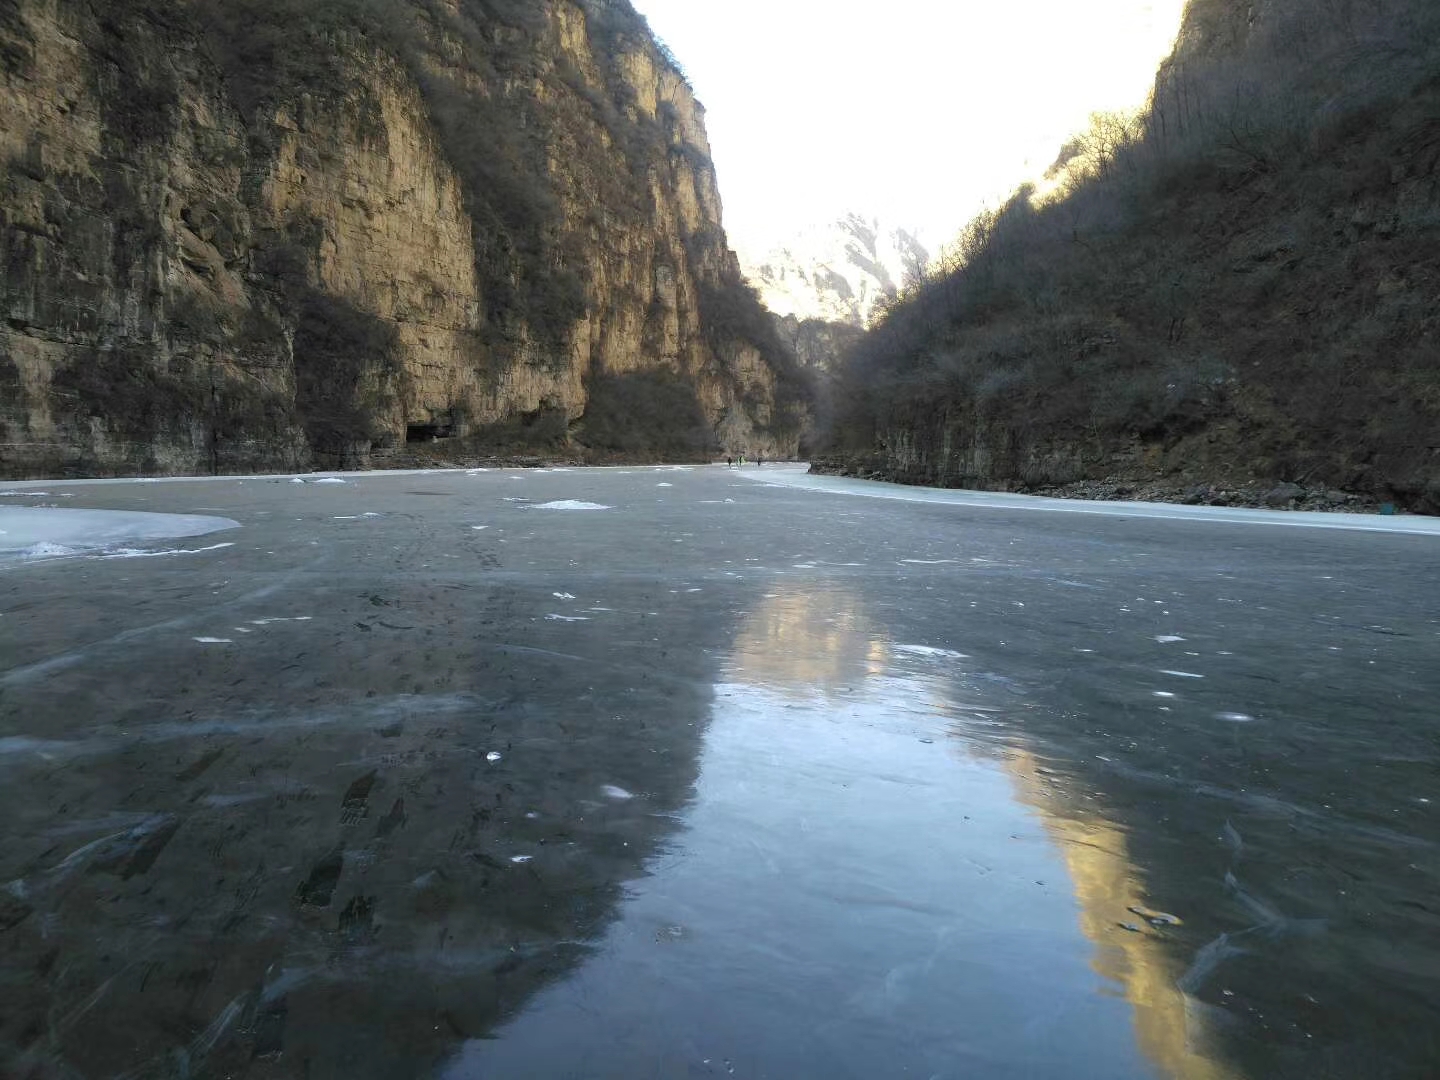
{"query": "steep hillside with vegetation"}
[(253, 234), (1232, 296)]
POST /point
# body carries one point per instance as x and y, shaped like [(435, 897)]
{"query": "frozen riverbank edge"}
[(797, 475)]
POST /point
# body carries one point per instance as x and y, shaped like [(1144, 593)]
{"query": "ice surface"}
[(1181, 674), (215, 640), (44, 532), (1166, 639), (568, 504), (567, 618), (611, 791)]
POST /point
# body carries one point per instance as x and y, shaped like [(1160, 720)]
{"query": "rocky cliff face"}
[(250, 235)]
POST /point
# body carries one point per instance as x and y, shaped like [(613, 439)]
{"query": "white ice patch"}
[(329, 480), (47, 550), (1235, 717), (567, 618), (34, 532), (493, 756), (32, 495), (275, 619), (1162, 693), (1166, 639), (610, 791), (215, 640), (521, 858), (568, 504), (662, 484), (563, 595), (135, 553), (930, 651), (1181, 674), (929, 562), (479, 528)]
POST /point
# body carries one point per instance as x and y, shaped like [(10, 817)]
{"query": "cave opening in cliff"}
[(418, 433)]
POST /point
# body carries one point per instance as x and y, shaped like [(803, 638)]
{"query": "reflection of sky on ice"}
[(855, 893)]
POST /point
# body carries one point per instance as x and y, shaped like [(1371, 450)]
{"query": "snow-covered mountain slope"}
[(837, 272)]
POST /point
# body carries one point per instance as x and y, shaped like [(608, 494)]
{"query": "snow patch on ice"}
[(568, 504), (930, 651), (663, 484), (1181, 674), (1235, 717), (215, 640), (567, 618), (136, 553), (611, 791), (47, 550), (1166, 639), (563, 595), (929, 562)]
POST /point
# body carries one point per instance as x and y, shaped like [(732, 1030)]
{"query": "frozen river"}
[(699, 772)]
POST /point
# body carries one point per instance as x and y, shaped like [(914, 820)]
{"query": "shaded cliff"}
[(1229, 296), (251, 234)]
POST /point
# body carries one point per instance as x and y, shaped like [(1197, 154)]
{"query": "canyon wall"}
[(257, 235)]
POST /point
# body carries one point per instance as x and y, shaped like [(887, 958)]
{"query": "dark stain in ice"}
[(13, 911), (269, 1027), (316, 890), (357, 921), (132, 852), (393, 820), (356, 803), (149, 849), (195, 770)]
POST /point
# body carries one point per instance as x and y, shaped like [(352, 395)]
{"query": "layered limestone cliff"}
[(250, 235)]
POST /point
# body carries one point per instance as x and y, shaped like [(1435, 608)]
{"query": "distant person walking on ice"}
[(729, 462)]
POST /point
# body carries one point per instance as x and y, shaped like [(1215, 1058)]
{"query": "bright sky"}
[(919, 112)]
